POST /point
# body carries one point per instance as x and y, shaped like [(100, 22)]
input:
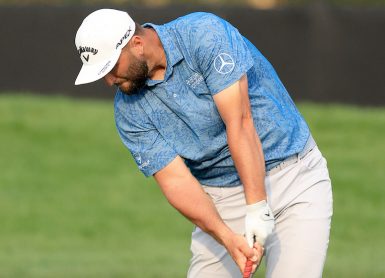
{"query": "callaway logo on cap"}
[(99, 41)]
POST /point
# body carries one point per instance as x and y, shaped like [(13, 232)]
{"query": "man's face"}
[(129, 74)]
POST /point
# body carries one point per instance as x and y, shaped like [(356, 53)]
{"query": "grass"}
[(353, 140), (73, 204)]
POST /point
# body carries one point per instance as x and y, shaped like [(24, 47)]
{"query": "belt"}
[(309, 146)]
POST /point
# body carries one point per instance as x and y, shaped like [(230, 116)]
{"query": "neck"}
[(156, 57)]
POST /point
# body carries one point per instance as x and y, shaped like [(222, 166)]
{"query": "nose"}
[(110, 79)]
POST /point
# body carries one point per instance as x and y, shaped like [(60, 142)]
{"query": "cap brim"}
[(91, 73)]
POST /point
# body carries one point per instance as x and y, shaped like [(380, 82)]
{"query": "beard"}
[(136, 77)]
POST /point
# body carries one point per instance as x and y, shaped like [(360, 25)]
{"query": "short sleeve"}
[(220, 51), (150, 151)]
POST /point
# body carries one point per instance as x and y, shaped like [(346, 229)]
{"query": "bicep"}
[(172, 174), (180, 187), (233, 103)]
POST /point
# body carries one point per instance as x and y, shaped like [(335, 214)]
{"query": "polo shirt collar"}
[(173, 54)]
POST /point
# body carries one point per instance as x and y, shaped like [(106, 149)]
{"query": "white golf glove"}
[(259, 222)]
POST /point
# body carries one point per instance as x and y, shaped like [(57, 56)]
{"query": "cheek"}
[(120, 69)]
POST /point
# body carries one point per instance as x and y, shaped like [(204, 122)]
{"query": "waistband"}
[(309, 146)]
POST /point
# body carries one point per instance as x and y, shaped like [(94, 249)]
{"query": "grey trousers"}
[(300, 196)]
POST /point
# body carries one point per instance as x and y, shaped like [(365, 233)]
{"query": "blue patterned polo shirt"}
[(177, 115)]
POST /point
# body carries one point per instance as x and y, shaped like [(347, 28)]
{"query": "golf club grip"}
[(248, 268)]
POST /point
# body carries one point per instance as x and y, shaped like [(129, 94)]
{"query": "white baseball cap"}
[(99, 41)]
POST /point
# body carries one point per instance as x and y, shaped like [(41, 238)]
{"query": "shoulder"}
[(200, 16), (129, 110), (195, 20), (201, 29), (122, 101)]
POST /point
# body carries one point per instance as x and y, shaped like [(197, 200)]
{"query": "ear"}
[(137, 44)]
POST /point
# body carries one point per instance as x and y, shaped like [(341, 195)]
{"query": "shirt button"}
[(175, 95)]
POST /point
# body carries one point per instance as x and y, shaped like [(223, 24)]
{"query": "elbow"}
[(244, 123), (247, 121)]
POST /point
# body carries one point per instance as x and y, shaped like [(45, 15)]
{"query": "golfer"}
[(203, 112)]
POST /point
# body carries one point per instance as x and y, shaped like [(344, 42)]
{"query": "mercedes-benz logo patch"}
[(224, 63)]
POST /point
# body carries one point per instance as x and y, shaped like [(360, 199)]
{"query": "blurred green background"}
[(73, 204), (254, 3)]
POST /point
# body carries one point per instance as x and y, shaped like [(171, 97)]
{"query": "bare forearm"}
[(246, 151), (234, 107), (185, 194), (195, 204)]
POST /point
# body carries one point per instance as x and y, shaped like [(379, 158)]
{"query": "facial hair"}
[(137, 74)]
